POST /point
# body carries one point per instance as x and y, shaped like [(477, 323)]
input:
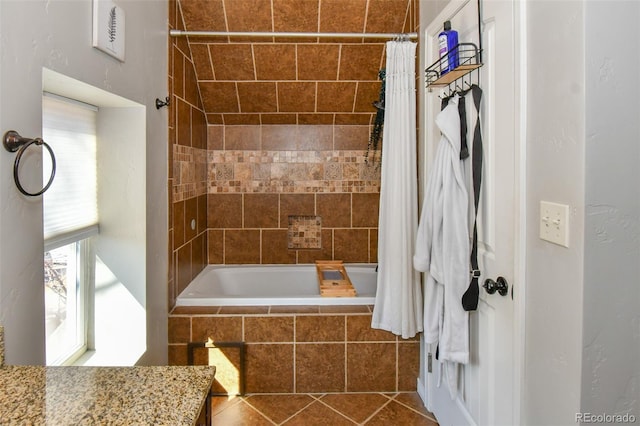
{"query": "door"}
[(490, 382)]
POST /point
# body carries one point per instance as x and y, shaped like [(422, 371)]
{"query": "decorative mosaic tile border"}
[(291, 171), (189, 172), (305, 232)]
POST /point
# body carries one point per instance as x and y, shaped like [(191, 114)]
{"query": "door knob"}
[(500, 285)]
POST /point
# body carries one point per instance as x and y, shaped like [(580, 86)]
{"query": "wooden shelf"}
[(468, 60)]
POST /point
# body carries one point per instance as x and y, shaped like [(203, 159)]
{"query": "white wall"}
[(57, 35), (611, 329), (555, 172)]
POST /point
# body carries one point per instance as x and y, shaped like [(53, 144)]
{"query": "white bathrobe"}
[(442, 248)]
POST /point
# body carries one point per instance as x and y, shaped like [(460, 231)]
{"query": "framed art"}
[(109, 28)]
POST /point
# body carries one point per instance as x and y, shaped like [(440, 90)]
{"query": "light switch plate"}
[(554, 223)]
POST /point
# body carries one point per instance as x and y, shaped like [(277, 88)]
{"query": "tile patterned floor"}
[(369, 409)]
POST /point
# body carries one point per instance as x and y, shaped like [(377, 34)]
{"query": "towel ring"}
[(14, 142)]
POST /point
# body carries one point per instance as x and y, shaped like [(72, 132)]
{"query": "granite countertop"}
[(171, 395)]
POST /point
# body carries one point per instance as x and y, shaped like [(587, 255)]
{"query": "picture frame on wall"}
[(109, 28)]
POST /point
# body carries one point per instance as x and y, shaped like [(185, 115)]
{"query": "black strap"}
[(470, 297), (462, 112)]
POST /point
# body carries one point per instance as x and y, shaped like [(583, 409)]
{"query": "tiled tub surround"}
[(256, 177), (187, 186), (305, 349), (259, 176)]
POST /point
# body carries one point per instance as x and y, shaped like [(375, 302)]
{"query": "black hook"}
[(160, 103)]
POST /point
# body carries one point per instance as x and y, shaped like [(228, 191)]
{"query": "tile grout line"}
[(413, 409), (335, 410), (378, 410)]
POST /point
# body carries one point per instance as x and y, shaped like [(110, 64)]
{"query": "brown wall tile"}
[(279, 138), (201, 221), (232, 61), (177, 354), (202, 61), (257, 96), (269, 368), (224, 210), (244, 119), (275, 61), (242, 246), (295, 205), (190, 214), (210, 18), (320, 367), (335, 210), (219, 96), (315, 119), (353, 119), (241, 138), (243, 310), (340, 16), (371, 367), (295, 15), (215, 137), (183, 267), (336, 96), (248, 15), (296, 96), (215, 119), (191, 93), (274, 247), (261, 210), (320, 328), (315, 138), (179, 329), (351, 245), (360, 62), (367, 92), (383, 15), (199, 129), (351, 137), (373, 246), (216, 247), (198, 254), (359, 329), (218, 328), (274, 119), (268, 329), (183, 123), (408, 366), (178, 72), (326, 253), (178, 224), (365, 210), (318, 61)]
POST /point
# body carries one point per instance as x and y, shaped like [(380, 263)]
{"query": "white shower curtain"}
[(398, 306)]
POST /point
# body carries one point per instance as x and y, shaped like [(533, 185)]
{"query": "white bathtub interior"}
[(264, 285)]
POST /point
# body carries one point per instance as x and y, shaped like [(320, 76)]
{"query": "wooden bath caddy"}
[(333, 279)]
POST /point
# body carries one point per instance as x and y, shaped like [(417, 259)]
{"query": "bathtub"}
[(264, 285)]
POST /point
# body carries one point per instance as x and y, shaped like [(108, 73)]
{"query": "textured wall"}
[(57, 35), (555, 172), (611, 329)]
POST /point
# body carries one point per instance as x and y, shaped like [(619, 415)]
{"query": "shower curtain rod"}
[(179, 33)]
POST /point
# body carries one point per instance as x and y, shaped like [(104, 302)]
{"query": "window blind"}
[(70, 204)]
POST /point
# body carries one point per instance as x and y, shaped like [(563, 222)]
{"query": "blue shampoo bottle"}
[(448, 47)]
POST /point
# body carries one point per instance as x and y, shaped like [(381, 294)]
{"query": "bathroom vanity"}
[(162, 395)]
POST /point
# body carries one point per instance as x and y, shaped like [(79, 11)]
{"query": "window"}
[(70, 220)]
